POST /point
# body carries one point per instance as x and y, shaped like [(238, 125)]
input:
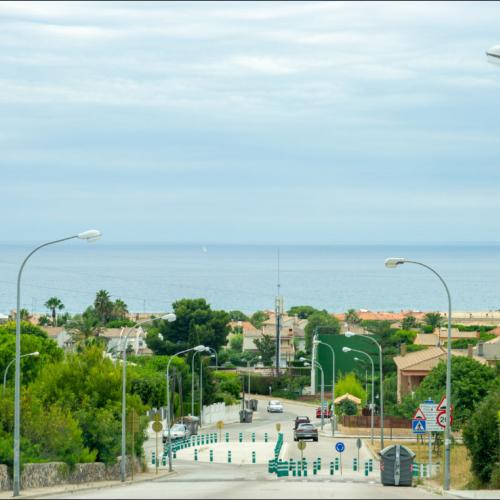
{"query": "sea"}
[(150, 277)]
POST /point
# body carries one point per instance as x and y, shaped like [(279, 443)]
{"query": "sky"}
[(250, 123)]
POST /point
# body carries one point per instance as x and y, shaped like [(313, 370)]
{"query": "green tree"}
[(481, 435), (409, 322), (257, 319), (352, 317), (196, 324), (25, 315), (83, 329), (328, 323), (349, 383), (120, 310), (266, 346), (103, 306), (347, 407), (433, 319), (236, 342), (54, 304), (303, 312), (471, 382), (238, 316)]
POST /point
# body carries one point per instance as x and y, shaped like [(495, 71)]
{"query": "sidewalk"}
[(97, 485)]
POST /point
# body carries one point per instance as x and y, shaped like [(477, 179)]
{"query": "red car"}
[(327, 413)]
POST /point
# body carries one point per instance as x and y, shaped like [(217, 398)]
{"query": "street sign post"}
[(220, 426), (157, 427), (340, 447), (301, 445), (358, 446)]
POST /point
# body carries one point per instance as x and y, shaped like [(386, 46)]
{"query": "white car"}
[(177, 431), (274, 407)]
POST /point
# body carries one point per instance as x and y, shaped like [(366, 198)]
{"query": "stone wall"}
[(5, 483), (57, 473)]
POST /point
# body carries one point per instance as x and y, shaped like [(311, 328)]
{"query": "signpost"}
[(278, 426), (157, 427), (301, 445), (133, 427), (340, 447), (358, 446), (220, 426)]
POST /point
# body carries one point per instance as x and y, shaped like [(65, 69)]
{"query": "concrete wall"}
[(55, 473), (219, 411)]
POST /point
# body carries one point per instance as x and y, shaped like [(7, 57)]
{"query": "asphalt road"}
[(204, 480)]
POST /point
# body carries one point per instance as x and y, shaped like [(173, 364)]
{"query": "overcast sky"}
[(278, 122)]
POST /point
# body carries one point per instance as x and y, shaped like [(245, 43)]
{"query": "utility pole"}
[(278, 312)]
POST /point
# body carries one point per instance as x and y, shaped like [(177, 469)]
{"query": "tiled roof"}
[(413, 359), (352, 398)]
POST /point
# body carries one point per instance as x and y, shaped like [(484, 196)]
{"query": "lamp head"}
[(346, 349), (90, 235), (493, 54), (302, 359), (199, 348), (393, 262), (36, 353), (170, 317), (307, 364), (357, 359), (315, 341), (349, 334)]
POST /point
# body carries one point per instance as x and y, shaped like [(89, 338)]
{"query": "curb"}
[(74, 488)]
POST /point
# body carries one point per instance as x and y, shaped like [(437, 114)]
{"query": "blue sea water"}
[(151, 277)]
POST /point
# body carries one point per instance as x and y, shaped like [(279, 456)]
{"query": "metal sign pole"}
[(430, 455)]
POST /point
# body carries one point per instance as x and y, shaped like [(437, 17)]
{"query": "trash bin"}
[(246, 416), (192, 424), (253, 403), (396, 465)]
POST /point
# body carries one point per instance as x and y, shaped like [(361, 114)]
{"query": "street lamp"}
[(314, 364), (393, 262), (90, 235), (348, 349), (36, 353), (192, 381), (167, 317), (493, 54), (352, 334), (198, 348), (214, 355), (366, 374), (315, 343)]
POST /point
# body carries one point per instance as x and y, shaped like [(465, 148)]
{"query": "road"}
[(241, 479)]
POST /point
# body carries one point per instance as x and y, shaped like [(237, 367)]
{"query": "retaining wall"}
[(219, 411)]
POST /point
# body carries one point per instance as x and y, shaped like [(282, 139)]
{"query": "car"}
[(274, 407), (327, 413), (301, 420), (177, 431), (305, 431)]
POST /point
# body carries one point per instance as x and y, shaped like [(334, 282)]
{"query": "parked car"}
[(305, 431), (327, 413), (301, 420), (274, 407), (177, 431)]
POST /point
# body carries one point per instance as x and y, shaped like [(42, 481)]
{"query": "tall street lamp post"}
[(168, 317), (348, 349), (90, 235), (317, 342), (380, 360), (198, 348), (393, 262), (315, 364), (36, 353)]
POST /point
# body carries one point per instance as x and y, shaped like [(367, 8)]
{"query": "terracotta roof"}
[(428, 339), (495, 331), (382, 315), (53, 331), (419, 358), (244, 325)]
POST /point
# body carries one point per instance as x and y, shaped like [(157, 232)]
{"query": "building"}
[(489, 351), (440, 337), (3, 318), (412, 368)]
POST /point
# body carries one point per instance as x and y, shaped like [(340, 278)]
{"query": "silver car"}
[(177, 431), (274, 407)]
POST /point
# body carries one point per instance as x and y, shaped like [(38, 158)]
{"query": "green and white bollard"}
[(354, 464), (195, 454), (229, 456), (211, 455), (253, 457), (366, 469), (174, 454), (164, 460), (318, 463), (253, 437), (240, 437), (370, 464), (332, 468), (337, 463), (315, 468), (153, 458), (227, 437), (266, 437)]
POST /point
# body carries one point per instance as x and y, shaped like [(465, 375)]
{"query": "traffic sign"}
[(419, 415), (358, 443), (418, 426), (442, 405), (340, 447), (220, 424), (301, 445), (441, 419), (278, 426), (157, 426), (430, 412)]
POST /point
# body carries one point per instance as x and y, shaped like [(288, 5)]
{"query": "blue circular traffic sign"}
[(340, 447)]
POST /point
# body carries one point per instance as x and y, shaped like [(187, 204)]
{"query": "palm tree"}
[(83, 330), (103, 306), (54, 304), (351, 317), (433, 319), (120, 309)]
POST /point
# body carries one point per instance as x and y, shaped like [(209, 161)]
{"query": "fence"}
[(219, 411), (365, 421)]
